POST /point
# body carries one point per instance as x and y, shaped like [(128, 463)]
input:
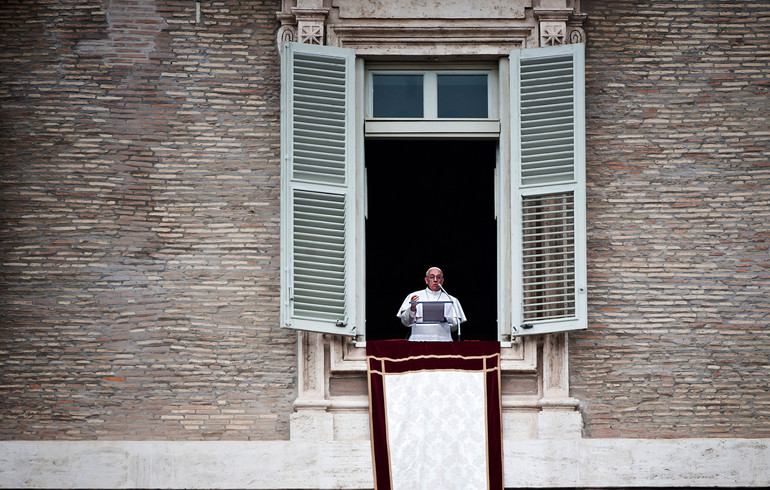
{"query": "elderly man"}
[(411, 311)]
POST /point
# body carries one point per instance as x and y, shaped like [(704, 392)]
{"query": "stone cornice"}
[(445, 33)]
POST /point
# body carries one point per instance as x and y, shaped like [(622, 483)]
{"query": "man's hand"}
[(412, 300)]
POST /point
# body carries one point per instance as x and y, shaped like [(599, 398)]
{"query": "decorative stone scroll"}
[(287, 33), (577, 34)]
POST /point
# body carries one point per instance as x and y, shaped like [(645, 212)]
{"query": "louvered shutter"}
[(548, 189), (317, 204)]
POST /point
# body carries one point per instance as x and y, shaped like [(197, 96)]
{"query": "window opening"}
[(538, 193), (431, 203)]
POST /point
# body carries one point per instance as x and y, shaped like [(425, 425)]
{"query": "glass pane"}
[(462, 96), (397, 95)]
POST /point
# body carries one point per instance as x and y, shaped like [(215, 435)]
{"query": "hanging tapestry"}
[(435, 414)]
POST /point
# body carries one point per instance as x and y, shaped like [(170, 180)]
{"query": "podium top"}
[(433, 312)]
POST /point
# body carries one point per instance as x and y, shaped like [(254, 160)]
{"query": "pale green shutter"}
[(548, 189), (317, 203)]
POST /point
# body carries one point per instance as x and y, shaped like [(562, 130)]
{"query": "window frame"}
[(430, 124), (430, 74), (508, 191)]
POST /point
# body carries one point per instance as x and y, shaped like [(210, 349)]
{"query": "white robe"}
[(453, 313)]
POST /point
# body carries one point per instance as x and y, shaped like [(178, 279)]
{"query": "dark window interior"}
[(431, 203)]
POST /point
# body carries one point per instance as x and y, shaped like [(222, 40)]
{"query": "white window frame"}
[(430, 124), (509, 191), (430, 84)]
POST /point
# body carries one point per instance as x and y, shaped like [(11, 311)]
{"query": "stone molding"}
[(444, 28), (320, 416), (566, 463)]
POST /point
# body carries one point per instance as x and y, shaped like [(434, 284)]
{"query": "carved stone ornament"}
[(577, 34), (553, 33), (311, 32), (286, 33), (432, 27)]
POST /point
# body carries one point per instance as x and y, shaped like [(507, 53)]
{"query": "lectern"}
[(434, 326)]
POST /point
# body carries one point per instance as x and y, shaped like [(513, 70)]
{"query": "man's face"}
[(433, 279)]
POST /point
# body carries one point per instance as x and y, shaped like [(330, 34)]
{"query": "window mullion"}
[(430, 95)]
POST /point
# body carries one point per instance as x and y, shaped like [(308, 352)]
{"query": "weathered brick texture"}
[(678, 109), (139, 215), (140, 222)]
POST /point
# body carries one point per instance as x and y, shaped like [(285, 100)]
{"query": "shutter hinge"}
[(343, 322)]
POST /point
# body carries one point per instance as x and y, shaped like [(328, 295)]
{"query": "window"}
[(534, 112), (462, 95), (457, 100), (431, 93), (395, 95)]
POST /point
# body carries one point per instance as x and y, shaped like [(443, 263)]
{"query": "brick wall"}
[(139, 210), (140, 222), (678, 108)]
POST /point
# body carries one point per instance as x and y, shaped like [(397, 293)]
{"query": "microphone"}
[(454, 310)]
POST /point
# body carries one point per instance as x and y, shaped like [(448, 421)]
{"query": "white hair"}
[(431, 268)]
